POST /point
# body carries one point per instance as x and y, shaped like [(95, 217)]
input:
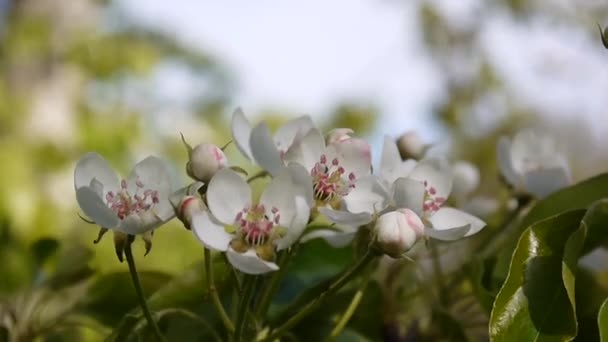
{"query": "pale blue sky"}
[(305, 56)]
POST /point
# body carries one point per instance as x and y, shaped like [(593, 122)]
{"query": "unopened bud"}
[(205, 161), (338, 135), (410, 146), (466, 179), (398, 231), (188, 207)]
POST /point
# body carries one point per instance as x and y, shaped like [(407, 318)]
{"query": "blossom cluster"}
[(314, 178)]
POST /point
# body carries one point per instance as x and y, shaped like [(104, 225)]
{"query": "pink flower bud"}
[(205, 161), (398, 231), (188, 207)]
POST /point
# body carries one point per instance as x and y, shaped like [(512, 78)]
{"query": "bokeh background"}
[(124, 78)]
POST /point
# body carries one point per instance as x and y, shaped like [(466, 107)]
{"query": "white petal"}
[(95, 208), (133, 225), (153, 174), (409, 193), (210, 233), (524, 149), (249, 262), (263, 149), (403, 169), (92, 165), (297, 224), (437, 173), (227, 194), (344, 217), (545, 181), (451, 234), (354, 156), (448, 218), (292, 130), (241, 131), (302, 181), (279, 194), (505, 164), (368, 196), (390, 158), (334, 238), (307, 151)]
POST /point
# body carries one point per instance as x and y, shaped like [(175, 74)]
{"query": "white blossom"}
[(133, 205), (250, 232), (531, 163)]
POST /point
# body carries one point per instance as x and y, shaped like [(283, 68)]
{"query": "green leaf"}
[(602, 321), (577, 196), (534, 304)]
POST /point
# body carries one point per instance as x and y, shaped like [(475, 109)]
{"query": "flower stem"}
[(140, 293), (349, 274), (219, 307), (260, 174), (275, 281), (350, 311), (241, 316), (443, 300)]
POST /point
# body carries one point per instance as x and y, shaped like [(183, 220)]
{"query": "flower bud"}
[(410, 145), (205, 161), (188, 207), (398, 231)]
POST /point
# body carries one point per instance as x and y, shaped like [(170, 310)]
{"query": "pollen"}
[(330, 181)]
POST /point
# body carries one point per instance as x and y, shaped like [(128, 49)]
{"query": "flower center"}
[(329, 180), (125, 204), (432, 202), (256, 227)]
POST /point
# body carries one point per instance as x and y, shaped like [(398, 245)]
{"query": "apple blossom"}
[(250, 232), (335, 172), (531, 163), (259, 145), (132, 206), (425, 191)]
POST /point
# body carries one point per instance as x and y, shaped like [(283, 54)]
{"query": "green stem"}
[(443, 300), (350, 311), (215, 298), (275, 281), (496, 241), (333, 287), (260, 174), (140, 293), (241, 316)]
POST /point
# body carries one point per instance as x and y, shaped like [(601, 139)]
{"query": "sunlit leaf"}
[(534, 303)]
